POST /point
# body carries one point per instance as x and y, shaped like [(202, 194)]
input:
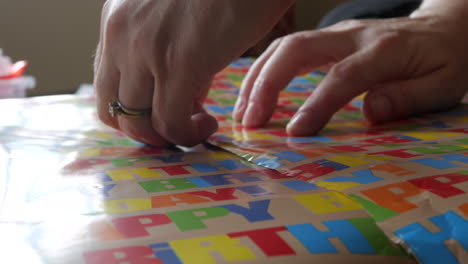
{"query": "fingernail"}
[(380, 109), (294, 122), (305, 124), (295, 119), (252, 116)]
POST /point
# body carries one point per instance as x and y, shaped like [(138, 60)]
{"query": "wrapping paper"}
[(74, 191), (410, 175), (77, 192)]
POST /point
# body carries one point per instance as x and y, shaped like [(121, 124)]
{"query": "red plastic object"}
[(16, 70)]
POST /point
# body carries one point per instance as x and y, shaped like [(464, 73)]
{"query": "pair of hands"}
[(163, 54)]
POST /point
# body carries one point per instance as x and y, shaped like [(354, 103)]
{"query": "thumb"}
[(398, 99), (178, 115)]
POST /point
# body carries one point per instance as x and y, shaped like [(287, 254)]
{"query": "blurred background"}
[(59, 37)]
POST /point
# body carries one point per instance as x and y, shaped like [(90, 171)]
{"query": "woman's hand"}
[(407, 66), (163, 54)]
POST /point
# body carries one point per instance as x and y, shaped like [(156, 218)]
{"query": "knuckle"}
[(294, 41), (389, 41), (344, 70), (351, 24), (115, 24), (140, 44), (262, 87)]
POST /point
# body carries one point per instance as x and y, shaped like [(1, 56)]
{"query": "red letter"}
[(352, 148), (135, 226), (268, 241), (174, 170), (399, 153), (85, 164), (309, 171), (219, 195), (387, 140), (132, 255), (441, 184)]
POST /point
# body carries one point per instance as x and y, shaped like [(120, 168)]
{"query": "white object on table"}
[(13, 87)]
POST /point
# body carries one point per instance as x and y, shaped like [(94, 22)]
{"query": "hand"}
[(407, 66), (163, 54)]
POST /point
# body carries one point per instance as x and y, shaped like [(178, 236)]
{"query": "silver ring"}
[(117, 108)]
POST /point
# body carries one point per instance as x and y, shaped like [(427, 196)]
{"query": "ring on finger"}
[(116, 108)]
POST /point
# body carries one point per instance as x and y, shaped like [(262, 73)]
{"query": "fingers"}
[(375, 63), (295, 54), (249, 81), (179, 118), (140, 129), (106, 76), (106, 81), (136, 92), (416, 96)]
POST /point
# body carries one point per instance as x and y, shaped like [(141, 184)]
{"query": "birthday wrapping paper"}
[(74, 191), (410, 175)]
